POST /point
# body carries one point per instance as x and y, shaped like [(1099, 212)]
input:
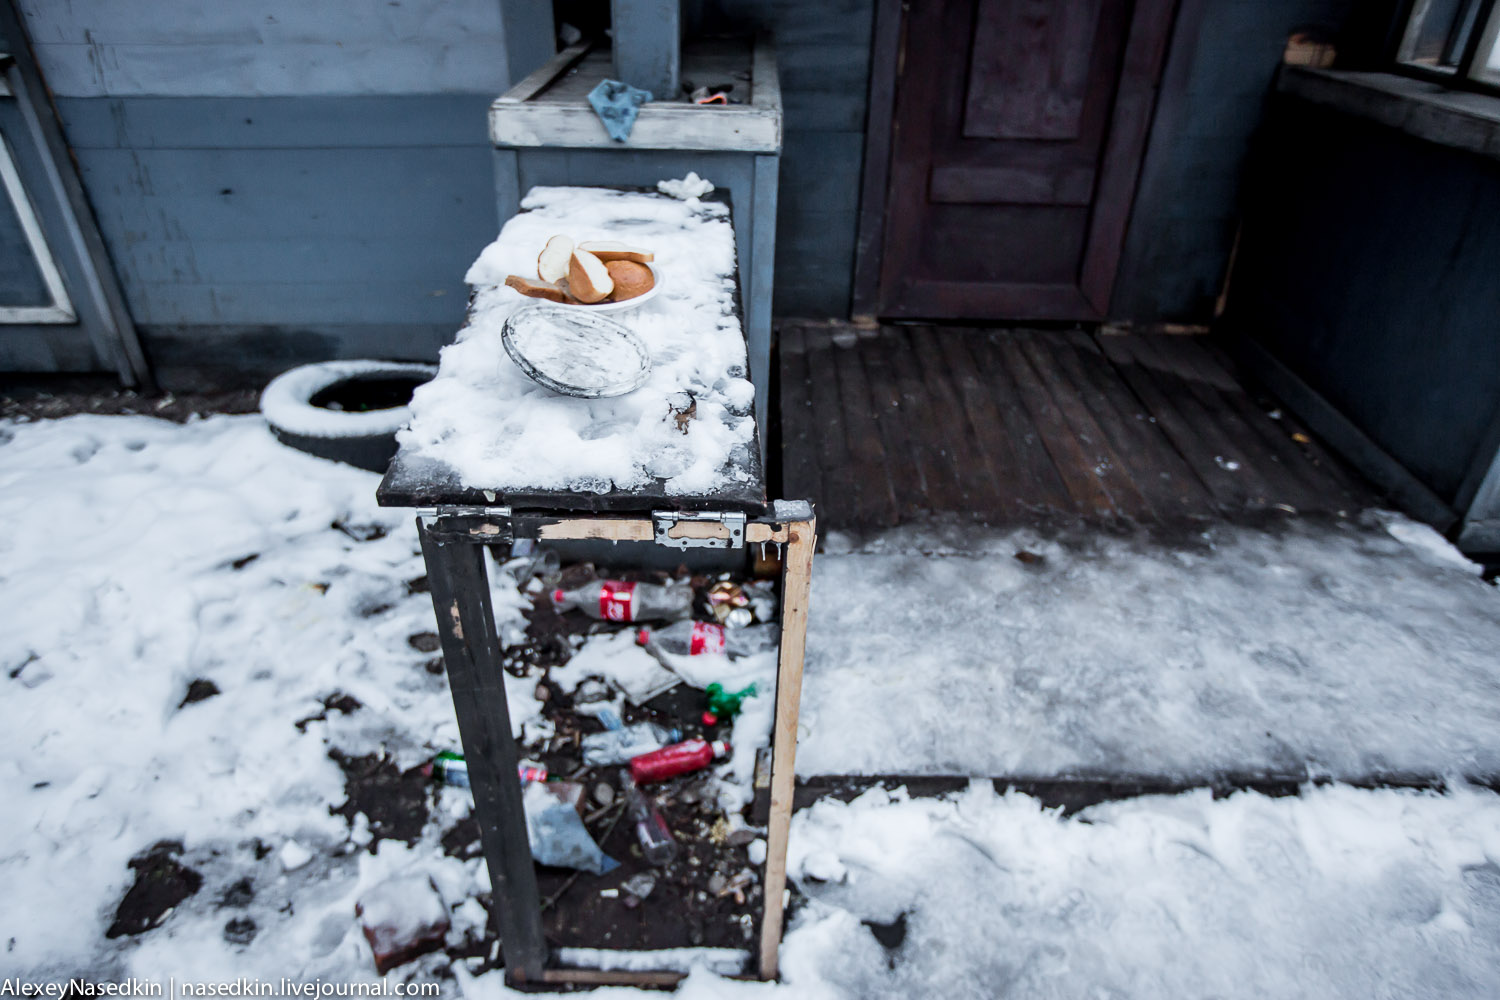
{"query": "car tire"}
[(344, 411)]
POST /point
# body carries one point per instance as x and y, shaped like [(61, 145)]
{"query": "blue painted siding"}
[(1223, 58), (228, 219)]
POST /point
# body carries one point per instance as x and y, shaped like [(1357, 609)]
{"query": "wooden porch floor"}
[(885, 426)]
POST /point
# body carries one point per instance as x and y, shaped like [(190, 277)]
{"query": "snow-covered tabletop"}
[(482, 433)]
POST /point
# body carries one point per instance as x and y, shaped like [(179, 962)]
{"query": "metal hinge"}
[(675, 529)]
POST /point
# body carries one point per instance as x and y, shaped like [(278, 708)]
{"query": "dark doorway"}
[(1016, 134)]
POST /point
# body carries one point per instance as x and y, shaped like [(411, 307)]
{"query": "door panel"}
[(1013, 166), (1030, 69)]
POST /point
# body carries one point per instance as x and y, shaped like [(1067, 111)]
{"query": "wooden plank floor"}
[(885, 426)]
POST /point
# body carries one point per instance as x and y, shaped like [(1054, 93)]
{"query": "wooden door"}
[(1016, 137)]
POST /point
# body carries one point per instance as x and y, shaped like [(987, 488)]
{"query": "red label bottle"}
[(679, 758)]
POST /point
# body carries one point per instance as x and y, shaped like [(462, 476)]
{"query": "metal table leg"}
[(471, 651)]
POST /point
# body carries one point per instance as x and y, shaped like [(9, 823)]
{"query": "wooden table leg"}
[(471, 652), (796, 587)]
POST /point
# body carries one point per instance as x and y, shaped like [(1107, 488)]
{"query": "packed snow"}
[(689, 425), (148, 560), (1305, 650), (143, 556)]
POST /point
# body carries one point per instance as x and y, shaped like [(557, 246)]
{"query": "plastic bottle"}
[(707, 638), (616, 746), (451, 769), (679, 758), (722, 704), (625, 601), (651, 830)]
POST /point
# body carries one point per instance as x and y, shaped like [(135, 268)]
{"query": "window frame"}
[(1463, 76)]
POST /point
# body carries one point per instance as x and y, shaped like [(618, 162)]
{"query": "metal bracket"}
[(731, 537)]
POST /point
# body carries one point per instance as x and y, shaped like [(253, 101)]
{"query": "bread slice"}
[(552, 263), (588, 279), (537, 289), (631, 279), (614, 250)]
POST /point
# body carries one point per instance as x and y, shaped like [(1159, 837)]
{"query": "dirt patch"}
[(161, 882), (50, 397), (395, 802), (201, 689)]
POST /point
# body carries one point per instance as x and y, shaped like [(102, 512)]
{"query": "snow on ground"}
[(1314, 648), (144, 556)]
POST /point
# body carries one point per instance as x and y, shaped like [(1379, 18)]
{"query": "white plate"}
[(617, 306)]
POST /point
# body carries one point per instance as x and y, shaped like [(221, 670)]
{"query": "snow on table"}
[(482, 426)]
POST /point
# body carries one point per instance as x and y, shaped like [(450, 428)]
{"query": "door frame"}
[(1151, 29), (66, 221)]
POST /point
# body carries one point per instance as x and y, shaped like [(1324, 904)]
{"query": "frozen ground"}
[(1315, 648), (142, 557)]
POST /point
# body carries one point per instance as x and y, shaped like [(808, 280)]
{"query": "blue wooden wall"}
[(1214, 90), (282, 181), (279, 180)]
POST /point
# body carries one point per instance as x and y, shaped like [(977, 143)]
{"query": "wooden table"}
[(465, 505)]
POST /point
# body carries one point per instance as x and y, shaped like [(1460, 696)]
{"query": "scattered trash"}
[(1029, 558), (722, 705), (403, 918), (607, 712), (639, 886), (708, 639), (1301, 438), (617, 104), (626, 601), (756, 851), (717, 93), (658, 846), (617, 746), (679, 758), (556, 831), (449, 768), (1226, 463), (621, 663), (604, 794), (527, 560)]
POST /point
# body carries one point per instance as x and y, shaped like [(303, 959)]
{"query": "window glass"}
[(1438, 32)]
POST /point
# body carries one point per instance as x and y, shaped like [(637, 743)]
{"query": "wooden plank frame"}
[(451, 547)]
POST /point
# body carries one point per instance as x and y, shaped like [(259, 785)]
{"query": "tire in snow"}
[(345, 411)]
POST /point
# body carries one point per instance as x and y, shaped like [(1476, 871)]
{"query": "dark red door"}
[(1017, 135)]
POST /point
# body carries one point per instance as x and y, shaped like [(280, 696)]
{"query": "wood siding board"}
[(799, 468), (909, 484), (1039, 482), (1108, 466), (1193, 442), (1320, 489), (306, 122), (1145, 52), (839, 505), (1013, 488), (1161, 473), (872, 468), (929, 440), (884, 50), (1075, 468), (956, 439)]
